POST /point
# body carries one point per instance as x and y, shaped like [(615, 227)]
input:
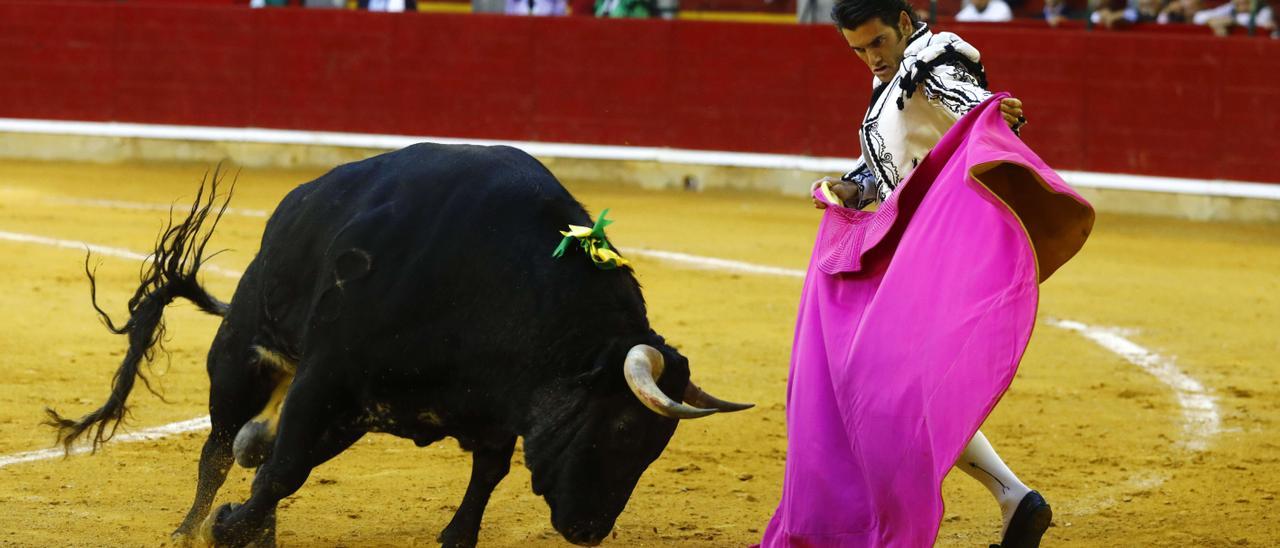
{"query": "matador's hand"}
[(815, 185), (1011, 108), (844, 190)]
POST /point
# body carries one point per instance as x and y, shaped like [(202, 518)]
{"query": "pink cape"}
[(912, 321)]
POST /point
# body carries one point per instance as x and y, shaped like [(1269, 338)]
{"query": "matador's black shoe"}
[(1028, 524)]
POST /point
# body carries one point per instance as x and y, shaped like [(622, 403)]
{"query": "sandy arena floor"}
[(1182, 453)]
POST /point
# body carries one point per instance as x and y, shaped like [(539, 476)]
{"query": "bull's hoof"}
[(206, 536), (252, 444), (219, 529), (183, 539), (451, 538)]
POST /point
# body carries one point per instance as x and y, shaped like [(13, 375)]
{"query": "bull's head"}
[(614, 423)]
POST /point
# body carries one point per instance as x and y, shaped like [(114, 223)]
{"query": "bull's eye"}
[(624, 432)]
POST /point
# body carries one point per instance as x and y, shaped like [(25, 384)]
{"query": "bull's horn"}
[(696, 397), (644, 364)]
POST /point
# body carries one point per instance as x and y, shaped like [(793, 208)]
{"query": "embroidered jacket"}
[(939, 80)]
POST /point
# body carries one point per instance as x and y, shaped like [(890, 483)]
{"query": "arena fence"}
[(1171, 112)]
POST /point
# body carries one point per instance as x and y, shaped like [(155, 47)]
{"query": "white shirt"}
[(945, 80), (538, 7), (1130, 15), (1203, 17), (1265, 19), (997, 12), (386, 5)]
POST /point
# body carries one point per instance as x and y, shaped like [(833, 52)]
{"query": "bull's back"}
[(431, 239), (421, 181)]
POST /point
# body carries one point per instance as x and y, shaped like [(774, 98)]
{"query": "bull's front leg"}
[(488, 466)]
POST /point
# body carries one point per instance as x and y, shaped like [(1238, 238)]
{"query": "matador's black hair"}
[(851, 14)]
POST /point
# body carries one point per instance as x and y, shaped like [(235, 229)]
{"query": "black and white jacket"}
[(939, 80)]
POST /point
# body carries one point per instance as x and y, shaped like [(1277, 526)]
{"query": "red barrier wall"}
[(1184, 106)]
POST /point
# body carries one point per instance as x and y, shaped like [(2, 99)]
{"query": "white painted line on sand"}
[(71, 244), (144, 206), (149, 434), (100, 249), (1111, 495), (1201, 420), (712, 263)]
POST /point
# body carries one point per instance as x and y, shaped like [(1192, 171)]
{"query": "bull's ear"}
[(606, 367), (676, 362)]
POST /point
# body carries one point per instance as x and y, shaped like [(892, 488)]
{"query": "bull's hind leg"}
[(488, 466), (310, 433), (215, 462), (253, 442), (238, 389)]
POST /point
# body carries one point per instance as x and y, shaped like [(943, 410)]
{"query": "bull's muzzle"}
[(644, 364)]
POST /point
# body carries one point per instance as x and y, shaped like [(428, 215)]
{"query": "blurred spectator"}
[(1266, 20), (1115, 14), (387, 5), (1110, 14), (1056, 11), (535, 7), (491, 6), (814, 11), (667, 9), (625, 8), (1221, 18), (1178, 11), (985, 11), (1147, 11)]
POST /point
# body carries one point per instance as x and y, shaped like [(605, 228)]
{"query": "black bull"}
[(414, 293)]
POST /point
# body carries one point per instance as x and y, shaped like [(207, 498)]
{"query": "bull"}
[(414, 293)]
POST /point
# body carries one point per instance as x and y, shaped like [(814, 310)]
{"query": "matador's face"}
[(880, 46)]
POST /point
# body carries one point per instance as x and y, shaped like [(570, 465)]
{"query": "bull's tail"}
[(170, 273)]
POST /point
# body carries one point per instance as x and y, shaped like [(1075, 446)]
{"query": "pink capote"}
[(912, 321)]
